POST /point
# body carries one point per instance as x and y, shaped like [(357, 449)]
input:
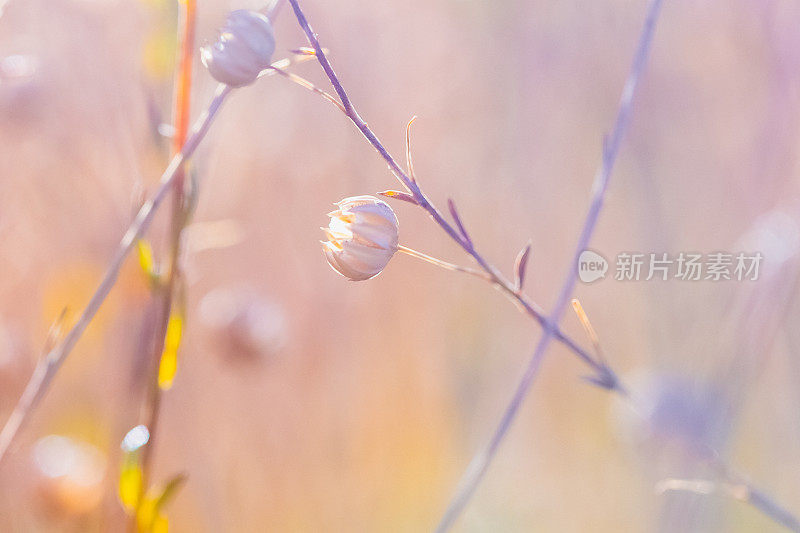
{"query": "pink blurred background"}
[(323, 405)]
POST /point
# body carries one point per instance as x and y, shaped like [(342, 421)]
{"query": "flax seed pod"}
[(244, 48), (362, 237)]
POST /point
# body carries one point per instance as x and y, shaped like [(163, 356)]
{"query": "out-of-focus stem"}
[(480, 463), (181, 114), (50, 363), (183, 77), (273, 8)]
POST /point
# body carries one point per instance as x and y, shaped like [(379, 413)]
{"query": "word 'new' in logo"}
[(591, 266)]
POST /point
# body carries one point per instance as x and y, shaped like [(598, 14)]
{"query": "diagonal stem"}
[(480, 463), (48, 366), (607, 377)]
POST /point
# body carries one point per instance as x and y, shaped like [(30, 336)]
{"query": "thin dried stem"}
[(409, 158), (737, 490), (422, 200), (451, 205), (302, 82), (52, 361), (443, 264), (49, 364), (480, 463), (183, 78), (587, 327), (181, 113), (730, 481), (521, 267)]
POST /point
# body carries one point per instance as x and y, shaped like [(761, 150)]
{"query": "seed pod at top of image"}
[(244, 48)]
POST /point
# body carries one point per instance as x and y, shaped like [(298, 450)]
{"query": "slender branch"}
[(183, 77), (409, 158), (181, 114), (738, 490), (48, 366), (767, 506), (347, 107), (605, 377), (451, 205), (302, 82), (480, 463), (444, 264)]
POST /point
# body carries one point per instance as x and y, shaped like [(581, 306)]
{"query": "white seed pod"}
[(244, 48), (362, 237)]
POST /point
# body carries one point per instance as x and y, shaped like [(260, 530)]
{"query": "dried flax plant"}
[(730, 481), (362, 237), (144, 508)]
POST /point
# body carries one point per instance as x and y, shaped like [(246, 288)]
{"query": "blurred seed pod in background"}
[(245, 326), (21, 86), (673, 409), (69, 475)]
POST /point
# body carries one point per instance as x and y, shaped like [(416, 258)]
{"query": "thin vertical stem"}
[(183, 77), (181, 114), (50, 363), (480, 463)]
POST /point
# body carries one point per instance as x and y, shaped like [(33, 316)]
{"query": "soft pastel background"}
[(304, 402)]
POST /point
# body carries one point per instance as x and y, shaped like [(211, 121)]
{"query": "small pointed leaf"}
[(520, 265), (169, 357), (409, 158), (146, 260), (130, 483), (168, 492), (605, 379), (399, 195), (451, 205)]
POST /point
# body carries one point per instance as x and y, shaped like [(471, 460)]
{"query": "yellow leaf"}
[(130, 484), (160, 525), (169, 357), (163, 495), (150, 518), (146, 260), (146, 517)]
